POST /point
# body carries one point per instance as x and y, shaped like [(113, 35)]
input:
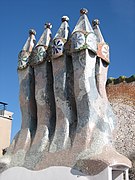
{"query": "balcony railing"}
[(3, 106)]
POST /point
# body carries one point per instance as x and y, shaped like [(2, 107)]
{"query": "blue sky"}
[(117, 22)]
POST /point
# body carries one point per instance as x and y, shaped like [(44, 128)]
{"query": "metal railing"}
[(3, 106)]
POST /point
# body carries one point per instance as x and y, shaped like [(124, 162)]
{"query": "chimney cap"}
[(32, 31), (95, 22), (83, 11), (48, 25), (65, 18)]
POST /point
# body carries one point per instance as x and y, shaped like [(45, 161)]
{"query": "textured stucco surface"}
[(122, 99)]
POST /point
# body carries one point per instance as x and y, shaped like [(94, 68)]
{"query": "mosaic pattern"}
[(103, 52), (81, 41), (57, 48), (23, 59), (38, 55), (91, 41), (78, 40)]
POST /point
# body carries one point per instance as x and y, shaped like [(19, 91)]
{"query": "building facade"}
[(5, 127)]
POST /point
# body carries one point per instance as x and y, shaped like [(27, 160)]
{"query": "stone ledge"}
[(59, 172)]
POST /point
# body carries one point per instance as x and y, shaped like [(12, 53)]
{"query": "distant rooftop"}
[(125, 79), (3, 111)]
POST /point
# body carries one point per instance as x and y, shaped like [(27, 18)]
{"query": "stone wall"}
[(122, 98)]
